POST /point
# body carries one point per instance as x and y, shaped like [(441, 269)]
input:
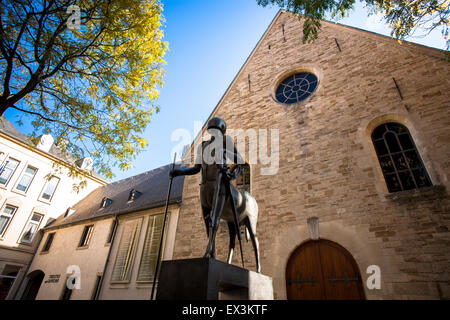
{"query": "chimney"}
[(63, 143), (45, 142), (85, 163)]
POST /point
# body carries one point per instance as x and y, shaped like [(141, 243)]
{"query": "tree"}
[(403, 16), (87, 71)]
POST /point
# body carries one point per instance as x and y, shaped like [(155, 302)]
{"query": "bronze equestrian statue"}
[(216, 189)]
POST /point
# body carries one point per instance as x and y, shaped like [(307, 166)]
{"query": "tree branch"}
[(46, 118)]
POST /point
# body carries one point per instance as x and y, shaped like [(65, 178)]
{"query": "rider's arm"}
[(191, 170), (186, 171)]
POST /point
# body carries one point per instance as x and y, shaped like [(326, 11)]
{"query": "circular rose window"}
[(296, 88)]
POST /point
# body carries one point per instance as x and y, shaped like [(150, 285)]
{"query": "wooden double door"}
[(323, 270)]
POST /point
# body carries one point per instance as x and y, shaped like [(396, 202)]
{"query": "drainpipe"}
[(116, 225)]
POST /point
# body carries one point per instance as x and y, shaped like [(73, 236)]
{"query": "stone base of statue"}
[(210, 279)]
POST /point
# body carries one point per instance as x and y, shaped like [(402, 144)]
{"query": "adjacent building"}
[(33, 191), (107, 244)]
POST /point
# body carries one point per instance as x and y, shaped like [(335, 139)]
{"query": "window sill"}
[(44, 201), (82, 248), (145, 282), (22, 193), (28, 244), (416, 193), (44, 252), (119, 284)]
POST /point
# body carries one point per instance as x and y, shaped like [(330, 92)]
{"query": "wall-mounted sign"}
[(53, 278)]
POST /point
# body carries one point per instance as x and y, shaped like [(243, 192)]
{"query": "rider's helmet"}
[(217, 123)]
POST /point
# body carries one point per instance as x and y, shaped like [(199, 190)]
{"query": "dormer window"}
[(69, 212), (134, 194), (105, 202)]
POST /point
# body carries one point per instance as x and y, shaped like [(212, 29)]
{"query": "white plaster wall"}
[(64, 252), (63, 197), (12, 251)]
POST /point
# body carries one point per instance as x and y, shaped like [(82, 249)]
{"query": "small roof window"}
[(105, 202), (134, 194), (69, 212)]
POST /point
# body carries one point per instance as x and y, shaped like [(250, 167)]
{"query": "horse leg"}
[(251, 229), (211, 248), (207, 219), (232, 230)]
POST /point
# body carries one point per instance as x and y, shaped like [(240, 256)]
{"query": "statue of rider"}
[(210, 158)]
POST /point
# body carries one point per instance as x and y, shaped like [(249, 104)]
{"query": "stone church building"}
[(363, 175)]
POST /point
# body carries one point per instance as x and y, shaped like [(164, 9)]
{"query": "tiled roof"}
[(8, 128), (152, 186)]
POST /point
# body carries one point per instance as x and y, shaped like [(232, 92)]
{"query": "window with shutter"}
[(126, 252), (150, 249)]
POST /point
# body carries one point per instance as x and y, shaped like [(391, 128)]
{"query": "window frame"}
[(21, 177), (30, 221), (131, 254), (284, 81), (105, 202), (133, 195), (5, 276), (4, 165), (112, 229), (66, 291), (50, 238), (242, 177), (147, 234), (54, 191), (11, 217), (86, 236), (97, 284), (402, 152)]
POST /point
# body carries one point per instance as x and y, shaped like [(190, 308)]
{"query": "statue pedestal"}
[(210, 279)]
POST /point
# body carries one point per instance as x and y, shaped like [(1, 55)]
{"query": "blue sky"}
[(208, 43)]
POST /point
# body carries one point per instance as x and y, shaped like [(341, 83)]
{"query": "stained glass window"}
[(399, 159), (296, 88)]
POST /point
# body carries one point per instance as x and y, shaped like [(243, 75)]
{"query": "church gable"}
[(347, 56)]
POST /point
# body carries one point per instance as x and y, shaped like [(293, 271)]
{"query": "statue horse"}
[(247, 210)]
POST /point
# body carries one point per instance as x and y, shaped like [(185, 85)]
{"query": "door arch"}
[(34, 283), (323, 270)]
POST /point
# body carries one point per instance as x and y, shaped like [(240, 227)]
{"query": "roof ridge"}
[(137, 175), (153, 183)]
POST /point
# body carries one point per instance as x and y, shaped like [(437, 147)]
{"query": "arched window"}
[(243, 181), (399, 159)]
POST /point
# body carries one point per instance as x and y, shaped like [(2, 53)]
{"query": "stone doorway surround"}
[(357, 241)]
